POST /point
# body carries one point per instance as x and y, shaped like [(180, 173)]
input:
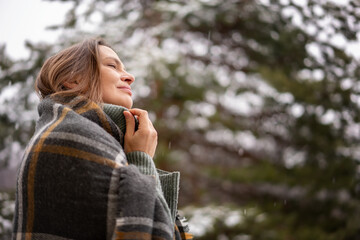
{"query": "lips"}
[(126, 89)]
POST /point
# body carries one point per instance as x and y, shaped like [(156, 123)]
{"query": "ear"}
[(70, 85)]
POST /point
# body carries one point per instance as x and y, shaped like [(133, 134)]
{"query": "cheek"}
[(104, 76), (106, 72), (105, 82)]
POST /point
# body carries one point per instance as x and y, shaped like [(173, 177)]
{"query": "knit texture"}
[(75, 181), (167, 182), (116, 113), (170, 187)]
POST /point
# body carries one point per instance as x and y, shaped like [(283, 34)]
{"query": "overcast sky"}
[(22, 20)]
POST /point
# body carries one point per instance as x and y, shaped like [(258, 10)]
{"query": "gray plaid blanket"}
[(76, 182)]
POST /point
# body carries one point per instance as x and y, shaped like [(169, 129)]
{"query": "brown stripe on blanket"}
[(32, 169), (93, 106), (133, 235), (73, 152)]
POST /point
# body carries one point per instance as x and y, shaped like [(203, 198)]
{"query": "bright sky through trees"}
[(22, 20)]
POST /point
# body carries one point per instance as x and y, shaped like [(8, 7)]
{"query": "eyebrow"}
[(116, 61)]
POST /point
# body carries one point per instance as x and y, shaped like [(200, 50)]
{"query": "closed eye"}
[(112, 65)]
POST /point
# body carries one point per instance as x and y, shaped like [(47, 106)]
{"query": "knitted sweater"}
[(76, 182)]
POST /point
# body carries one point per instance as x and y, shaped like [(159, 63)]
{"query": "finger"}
[(130, 123), (142, 115), (139, 112)]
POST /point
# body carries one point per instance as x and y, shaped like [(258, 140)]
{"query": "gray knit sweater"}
[(167, 182)]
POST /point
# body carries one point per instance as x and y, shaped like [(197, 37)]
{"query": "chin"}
[(127, 106)]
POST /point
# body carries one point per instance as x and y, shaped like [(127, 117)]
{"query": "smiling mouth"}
[(126, 89)]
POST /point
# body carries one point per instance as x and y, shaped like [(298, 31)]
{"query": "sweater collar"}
[(115, 112)]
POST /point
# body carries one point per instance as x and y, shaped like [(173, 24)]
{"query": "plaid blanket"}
[(75, 181)]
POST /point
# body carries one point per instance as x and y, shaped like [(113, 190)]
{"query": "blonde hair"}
[(78, 63)]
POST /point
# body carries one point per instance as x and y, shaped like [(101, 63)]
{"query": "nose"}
[(128, 78)]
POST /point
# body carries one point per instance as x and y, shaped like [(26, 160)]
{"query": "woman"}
[(88, 172)]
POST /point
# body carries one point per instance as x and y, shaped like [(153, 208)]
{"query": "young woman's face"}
[(114, 80)]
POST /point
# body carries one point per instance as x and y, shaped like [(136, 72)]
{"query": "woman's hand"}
[(145, 138)]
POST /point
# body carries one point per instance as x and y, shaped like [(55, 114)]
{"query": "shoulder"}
[(77, 127)]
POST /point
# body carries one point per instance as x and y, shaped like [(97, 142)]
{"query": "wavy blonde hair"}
[(78, 63)]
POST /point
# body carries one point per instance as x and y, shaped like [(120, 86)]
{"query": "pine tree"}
[(255, 102)]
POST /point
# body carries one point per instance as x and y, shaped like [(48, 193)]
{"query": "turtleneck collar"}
[(115, 112)]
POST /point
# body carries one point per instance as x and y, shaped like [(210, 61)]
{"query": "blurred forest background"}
[(256, 102)]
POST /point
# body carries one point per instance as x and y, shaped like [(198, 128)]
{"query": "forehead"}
[(106, 52)]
